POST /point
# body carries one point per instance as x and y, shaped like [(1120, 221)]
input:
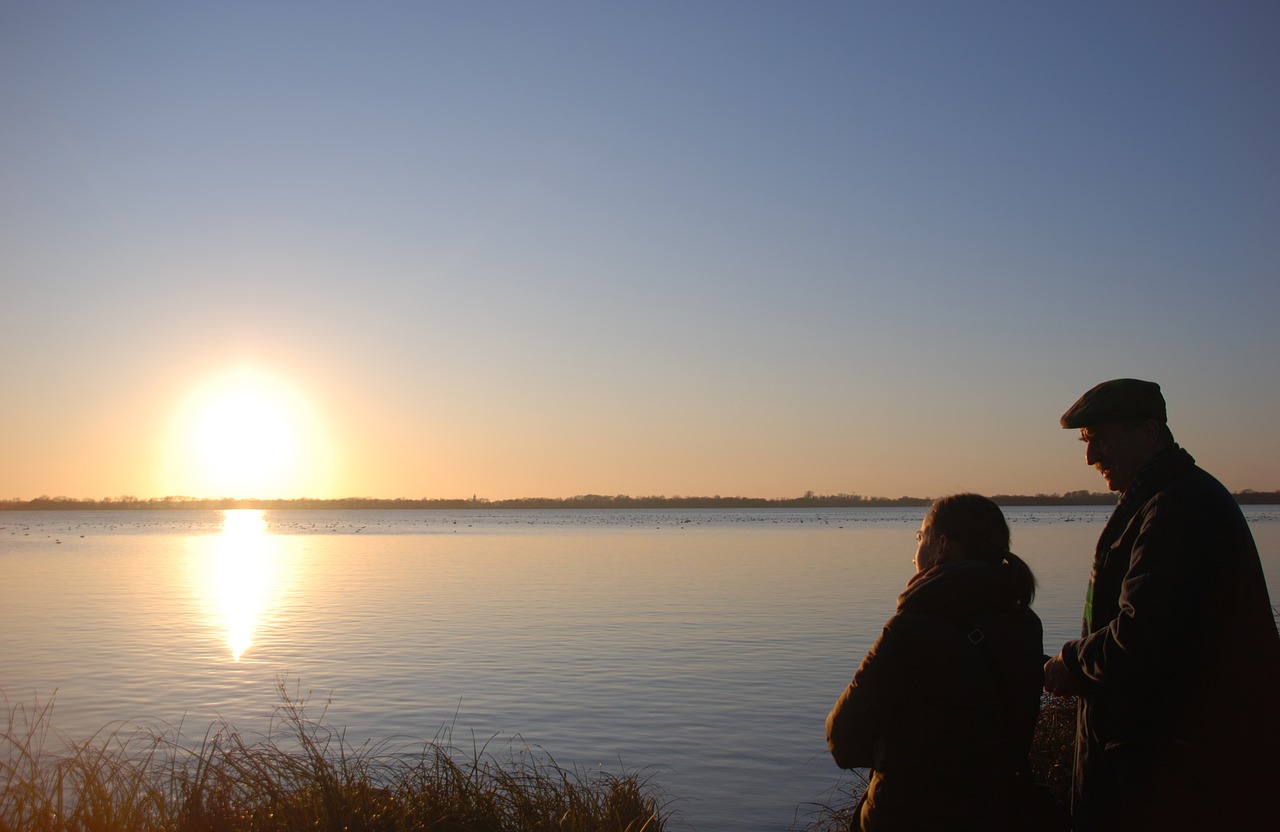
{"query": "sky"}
[(511, 249)]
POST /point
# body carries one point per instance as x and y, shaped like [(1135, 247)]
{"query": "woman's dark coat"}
[(944, 706)]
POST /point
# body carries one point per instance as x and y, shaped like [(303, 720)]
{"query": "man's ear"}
[(1152, 432)]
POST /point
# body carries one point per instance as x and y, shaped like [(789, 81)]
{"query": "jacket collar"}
[(1167, 466), (956, 587)]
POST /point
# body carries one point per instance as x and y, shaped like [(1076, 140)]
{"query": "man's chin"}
[(1118, 485)]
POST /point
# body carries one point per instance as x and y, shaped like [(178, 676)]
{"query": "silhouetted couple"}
[(1175, 671)]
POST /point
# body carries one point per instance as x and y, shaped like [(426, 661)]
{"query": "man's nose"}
[(1090, 454)]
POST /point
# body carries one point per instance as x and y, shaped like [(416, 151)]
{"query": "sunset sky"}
[(514, 249)]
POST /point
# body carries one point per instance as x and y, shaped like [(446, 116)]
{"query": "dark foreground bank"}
[(303, 775)]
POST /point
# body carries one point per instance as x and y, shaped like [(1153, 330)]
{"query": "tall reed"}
[(300, 775)]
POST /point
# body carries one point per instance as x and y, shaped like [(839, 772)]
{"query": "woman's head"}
[(973, 524), (971, 527)]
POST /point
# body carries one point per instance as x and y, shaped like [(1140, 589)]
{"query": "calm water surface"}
[(702, 647)]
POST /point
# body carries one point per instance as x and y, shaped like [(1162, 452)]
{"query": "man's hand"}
[(1058, 680)]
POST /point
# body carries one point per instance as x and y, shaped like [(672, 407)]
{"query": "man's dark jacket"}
[(944, 704), (1179, 664)]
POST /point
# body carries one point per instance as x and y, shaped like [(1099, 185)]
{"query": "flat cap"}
[(1111, 401)]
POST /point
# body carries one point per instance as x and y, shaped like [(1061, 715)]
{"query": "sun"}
[(248, 434)]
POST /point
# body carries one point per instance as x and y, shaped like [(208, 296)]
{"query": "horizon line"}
[(808, 500)]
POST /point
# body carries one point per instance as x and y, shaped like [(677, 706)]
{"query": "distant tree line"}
[(583, 501)]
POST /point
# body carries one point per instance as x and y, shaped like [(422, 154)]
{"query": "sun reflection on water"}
[(241, 576)]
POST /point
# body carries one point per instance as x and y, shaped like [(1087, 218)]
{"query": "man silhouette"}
[(1178, 667)]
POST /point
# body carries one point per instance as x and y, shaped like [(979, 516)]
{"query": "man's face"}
[(1119, 450)]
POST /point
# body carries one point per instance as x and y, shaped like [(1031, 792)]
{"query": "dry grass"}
[(1053, 749), (300, 776)]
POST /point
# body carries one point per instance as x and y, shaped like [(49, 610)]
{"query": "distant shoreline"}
[(587, 501)]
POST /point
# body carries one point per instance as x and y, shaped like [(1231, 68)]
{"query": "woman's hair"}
[(977, 526)]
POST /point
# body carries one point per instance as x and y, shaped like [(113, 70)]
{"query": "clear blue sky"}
[(519, 249)]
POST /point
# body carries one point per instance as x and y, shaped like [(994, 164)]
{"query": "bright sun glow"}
[(248, 435)]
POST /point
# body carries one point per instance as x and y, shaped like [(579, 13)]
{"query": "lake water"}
[(702, 647)]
